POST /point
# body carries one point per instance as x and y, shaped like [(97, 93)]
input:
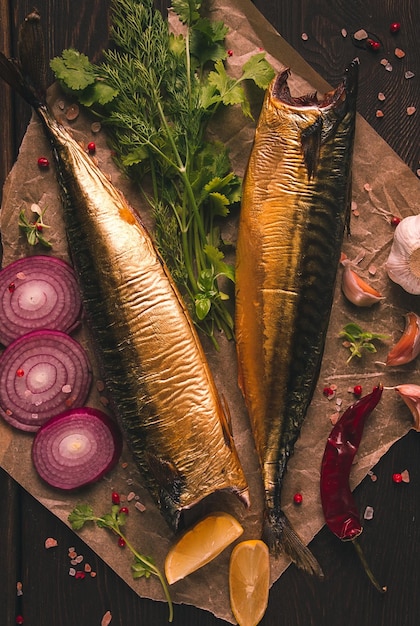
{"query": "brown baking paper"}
[(380, 189)]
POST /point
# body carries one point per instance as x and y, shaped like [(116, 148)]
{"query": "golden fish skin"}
[(153, 363), (294, 210)]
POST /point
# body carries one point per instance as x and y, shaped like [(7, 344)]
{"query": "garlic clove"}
[(403, 264), (411, 396), (356, 290), (408, 346)]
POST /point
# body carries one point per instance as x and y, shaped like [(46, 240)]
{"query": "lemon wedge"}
[(201, 544), (249, 581)]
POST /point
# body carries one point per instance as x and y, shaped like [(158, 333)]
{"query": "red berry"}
[(328, 392), (121, 542), (20, 373), (115, 498), (124, 510), (397, 478), (80, 574), (12, 287), (357, 390), (230, 53), (372, 44), (19, 619), (43, 163), (38, 227), (394, 27), (395, 220), (297, 498), (91, 147)]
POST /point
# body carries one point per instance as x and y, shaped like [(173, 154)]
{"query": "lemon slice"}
[(249, 581), (199, 545)]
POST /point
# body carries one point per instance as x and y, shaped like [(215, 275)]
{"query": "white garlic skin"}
[(406, 242)]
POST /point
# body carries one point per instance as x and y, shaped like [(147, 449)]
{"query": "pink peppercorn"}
[(124, 510), (115, 497), (397, 478), (91, 147), (43, 163), (121, 542), (357, 390), (298, 498), (19, 619), (394, 27)]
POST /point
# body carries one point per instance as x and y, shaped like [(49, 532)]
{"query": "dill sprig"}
[(157, 92)]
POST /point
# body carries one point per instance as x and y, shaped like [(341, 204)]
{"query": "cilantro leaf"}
[(187, 10), (258, 69), (74, 69)]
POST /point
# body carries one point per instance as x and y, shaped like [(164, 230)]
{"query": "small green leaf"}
[(187, 10), (216, 256), (258, 69), (202, 306), (81, 514), (74, 69)]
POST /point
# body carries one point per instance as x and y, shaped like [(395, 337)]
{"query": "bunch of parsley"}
[(157, 92)]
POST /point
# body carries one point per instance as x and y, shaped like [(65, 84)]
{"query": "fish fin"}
[(311, 144), (280, 537)]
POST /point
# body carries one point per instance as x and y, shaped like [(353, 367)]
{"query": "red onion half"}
[(37, 292), (76, 448), (43, 373)]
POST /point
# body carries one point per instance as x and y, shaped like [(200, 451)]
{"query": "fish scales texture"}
[(153, 362), (295, 207), (162, 389)]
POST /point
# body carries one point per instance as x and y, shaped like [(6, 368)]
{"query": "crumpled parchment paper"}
[(379, 190)]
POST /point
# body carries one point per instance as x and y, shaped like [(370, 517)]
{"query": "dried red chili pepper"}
[(338, 504)]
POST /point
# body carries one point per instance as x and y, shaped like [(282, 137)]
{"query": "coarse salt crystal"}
[(384, 62), (405, 476), (367, 187), (66, 388), (409, 74), (87, 568), (411, 110), (381, 96), (372, 269), (379, 113), (106, 620), (368, 514), (50, 542), (130, 496), (400, 54), (21, 275), (79, 558), (388, 67), (360, 34), (344, 32), (140, 507), (304, 36), (72, 571), (334, 418)]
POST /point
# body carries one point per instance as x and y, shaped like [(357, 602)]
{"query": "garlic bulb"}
[(403, 264)]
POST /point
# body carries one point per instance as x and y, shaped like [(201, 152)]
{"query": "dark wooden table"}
[(392, 544)]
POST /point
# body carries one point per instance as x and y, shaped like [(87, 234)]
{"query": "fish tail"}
[(280, 537), (27, 74)]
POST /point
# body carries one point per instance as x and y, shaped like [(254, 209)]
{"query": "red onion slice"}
[(76, 448), (37, 292), (43, 373)]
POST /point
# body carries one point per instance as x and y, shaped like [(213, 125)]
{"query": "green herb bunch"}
[(358, 340), (157, 92), (143, 566)]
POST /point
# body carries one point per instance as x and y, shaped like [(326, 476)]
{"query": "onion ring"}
[(38, 292), (42, 373), (76, 448)]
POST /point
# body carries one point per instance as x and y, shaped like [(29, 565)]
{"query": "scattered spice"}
[(43, 163), (19, 589), (140, 506), (373, 44), (379, 113), (360, 35), (397, 477), (19, 619), (106, 620), (357, 390), (344, 32), (381, 96), (400, 54), (305, 36), (411, 110), (394, 27), (115, 497), (298, 498), (91, 147), (368, 514), (408, 74), (230, 53), (50, 542), (405, 476), (395, 220)]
